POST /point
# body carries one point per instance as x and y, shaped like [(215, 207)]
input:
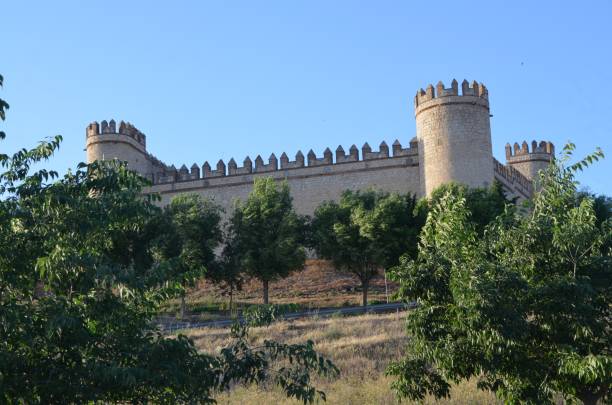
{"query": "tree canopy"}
[(191, 235), (229, 271), (524, 306), (81, 276), (366, 231), (483, 203), (267, 234)]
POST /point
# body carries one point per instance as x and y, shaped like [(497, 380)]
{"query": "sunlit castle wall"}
[(453, 144), (454, 135), (105, 141), (530, 162), (312, 178)]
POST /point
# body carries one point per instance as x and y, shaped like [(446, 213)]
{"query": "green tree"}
[(91, 240), (268, 234), (229, 271), (524, 307), (192, 234), (602, 206), (483, 203), (366, 231)]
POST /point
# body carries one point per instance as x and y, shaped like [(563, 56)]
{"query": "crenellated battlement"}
[(110, 127), (106, 140), (170, 174), (452, 144), (474, 90), (513, 178), (530, 160), (544, 148)]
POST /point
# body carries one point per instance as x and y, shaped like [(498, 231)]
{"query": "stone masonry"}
[(452, 144), (454, 135), (529, 163)]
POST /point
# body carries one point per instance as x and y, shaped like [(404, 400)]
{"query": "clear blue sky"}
[(211, 80)]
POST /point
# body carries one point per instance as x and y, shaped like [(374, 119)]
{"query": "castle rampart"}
[(514, 182), (453, 143), (310, 184), (169, 174)]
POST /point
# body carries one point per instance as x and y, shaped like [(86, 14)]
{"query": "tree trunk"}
[(386, 286), (265, 292), (364, 286), (231, 298), (183, 305)]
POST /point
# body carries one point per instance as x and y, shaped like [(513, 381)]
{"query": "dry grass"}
[(361, 346), (317, 285)]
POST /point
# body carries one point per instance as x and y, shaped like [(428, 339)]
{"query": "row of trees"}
[(263, 238), (363, 233)]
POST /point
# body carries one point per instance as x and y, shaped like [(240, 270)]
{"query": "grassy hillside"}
[(317, 286), (361, 346)]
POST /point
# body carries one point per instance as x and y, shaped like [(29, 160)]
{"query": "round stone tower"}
[(454, 135), (105, 142), (529, 163)]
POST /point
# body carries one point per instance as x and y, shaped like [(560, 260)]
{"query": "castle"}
[(452, 144)]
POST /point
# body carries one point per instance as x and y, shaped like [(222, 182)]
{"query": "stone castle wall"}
[(514, 182), (105, 141), (454, 135), (453, 143), (530, 162), (324, 179)]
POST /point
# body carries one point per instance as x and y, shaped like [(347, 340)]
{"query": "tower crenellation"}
[(104, 141), (474, 90), (529, 160), (454, 135), (110, 128), (516, 151)]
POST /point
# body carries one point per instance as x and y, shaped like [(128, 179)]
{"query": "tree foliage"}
[(524, 306), (229, 272), (602, 207), (365, 231), (81, 277), (266, 233), (483, 203), (191, 235)]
